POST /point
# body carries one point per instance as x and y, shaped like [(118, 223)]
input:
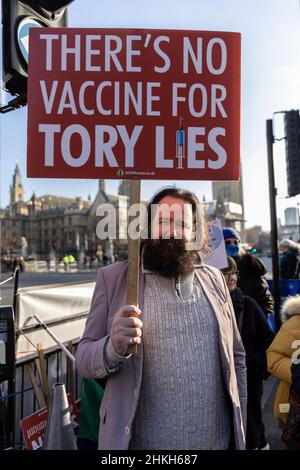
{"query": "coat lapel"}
[(217, 299)]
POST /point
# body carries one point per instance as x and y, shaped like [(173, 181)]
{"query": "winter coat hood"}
[(249, 266), (290, 244), (290, 307)]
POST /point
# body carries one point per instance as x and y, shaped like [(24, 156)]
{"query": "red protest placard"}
[(130, 103), (34, 426)]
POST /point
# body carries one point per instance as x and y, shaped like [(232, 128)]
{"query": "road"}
[(273, 433)]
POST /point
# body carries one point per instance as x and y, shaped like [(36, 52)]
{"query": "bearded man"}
[(185, 388)]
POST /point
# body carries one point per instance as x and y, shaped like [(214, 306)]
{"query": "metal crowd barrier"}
[(287, 287), (19, 335), (24, 397)]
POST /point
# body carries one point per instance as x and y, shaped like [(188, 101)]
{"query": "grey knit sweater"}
[(182, 401)]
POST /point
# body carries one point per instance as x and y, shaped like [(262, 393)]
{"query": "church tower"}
[(16, 190), (102, 186), (124, 188)]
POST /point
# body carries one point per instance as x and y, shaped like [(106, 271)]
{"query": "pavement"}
[(33, 279), (273, 432)]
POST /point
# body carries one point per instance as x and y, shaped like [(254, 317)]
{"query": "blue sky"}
[(270, 82)]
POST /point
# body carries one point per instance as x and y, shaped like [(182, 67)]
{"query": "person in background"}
[(251, 272), (105, 260), (91, 394), (66, 262), (71, 259), (289, 259), (257, 337), (185, 388), (281, 352)]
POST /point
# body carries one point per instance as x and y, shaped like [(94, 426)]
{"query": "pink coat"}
[(121, 396)]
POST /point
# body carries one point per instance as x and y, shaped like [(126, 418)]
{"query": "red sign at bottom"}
[(34, 426)]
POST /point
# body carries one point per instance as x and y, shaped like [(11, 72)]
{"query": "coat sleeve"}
[(240, 367), (279, 355), (90, 355), (261, 293), (263, 337), (264, 334)]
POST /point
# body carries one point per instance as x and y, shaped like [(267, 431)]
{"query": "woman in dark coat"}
[(251, 272), (256, 336), (252, 282)]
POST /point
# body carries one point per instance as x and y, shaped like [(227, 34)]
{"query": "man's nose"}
[(174, 233), (169, 231)]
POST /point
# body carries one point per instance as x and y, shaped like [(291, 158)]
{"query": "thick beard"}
[(168, 257)]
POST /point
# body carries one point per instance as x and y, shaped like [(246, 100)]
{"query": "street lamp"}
[(298, 204), (274, 232), (292, 137)]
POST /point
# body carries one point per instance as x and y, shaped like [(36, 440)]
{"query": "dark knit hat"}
[(230, 233)]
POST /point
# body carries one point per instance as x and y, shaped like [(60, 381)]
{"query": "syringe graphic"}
[(180, 144)]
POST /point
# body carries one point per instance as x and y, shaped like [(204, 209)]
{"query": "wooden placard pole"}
[(70, 372), (38, 394), (133, 256), (43, 373)]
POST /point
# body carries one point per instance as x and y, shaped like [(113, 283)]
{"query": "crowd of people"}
[(204, 344)]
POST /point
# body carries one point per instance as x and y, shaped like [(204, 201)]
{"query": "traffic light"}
[(292, 151), (255, 250), (17, 18)]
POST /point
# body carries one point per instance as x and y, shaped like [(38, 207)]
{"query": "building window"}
[(70, 220)]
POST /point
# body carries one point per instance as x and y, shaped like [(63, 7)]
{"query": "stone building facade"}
[(54, 225), (58, 224)]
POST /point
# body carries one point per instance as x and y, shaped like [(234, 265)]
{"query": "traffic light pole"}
[(274, 233), (18, 17)]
